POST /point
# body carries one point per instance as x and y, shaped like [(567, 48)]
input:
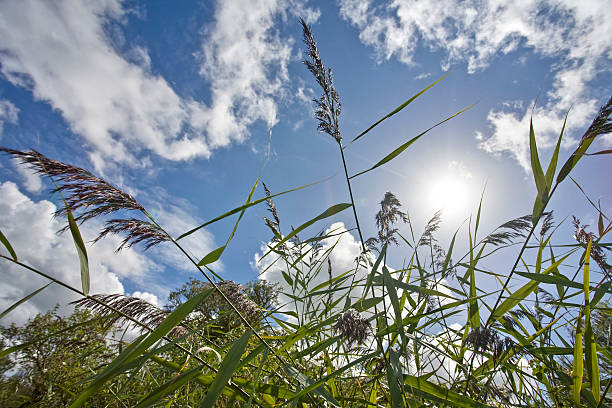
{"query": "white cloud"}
[(62, 51), (424, 75), (8, 113), (149, 297), (22, 220), (31, 181), (476, 32)]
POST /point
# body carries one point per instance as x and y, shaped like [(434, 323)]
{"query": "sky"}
[(184, 104)]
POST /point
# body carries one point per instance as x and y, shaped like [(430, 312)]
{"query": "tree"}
[(60, 353)]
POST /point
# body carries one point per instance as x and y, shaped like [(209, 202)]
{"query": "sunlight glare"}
[(449, 194)]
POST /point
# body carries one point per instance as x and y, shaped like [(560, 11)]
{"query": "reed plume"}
[(90, 196), (328, 106)]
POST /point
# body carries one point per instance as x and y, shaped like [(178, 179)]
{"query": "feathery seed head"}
[(234, 293), (328, 106), (354, 327)]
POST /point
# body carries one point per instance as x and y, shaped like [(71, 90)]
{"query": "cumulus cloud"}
[(20, 220), (31, 181), (8, 113), (62, 52), (577, 34)]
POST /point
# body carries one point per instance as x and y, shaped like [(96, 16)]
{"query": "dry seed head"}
[(354, 327), (328, 106), (234, 293), (137, 231), (80, 188)]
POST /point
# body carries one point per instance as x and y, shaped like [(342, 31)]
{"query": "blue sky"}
[(175, 101)]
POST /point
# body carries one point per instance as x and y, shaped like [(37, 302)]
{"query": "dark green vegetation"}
[(370, 336)]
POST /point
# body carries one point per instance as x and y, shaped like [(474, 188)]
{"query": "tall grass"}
[(372, 335)]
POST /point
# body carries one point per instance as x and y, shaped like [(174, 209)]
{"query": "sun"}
[(450, 194)]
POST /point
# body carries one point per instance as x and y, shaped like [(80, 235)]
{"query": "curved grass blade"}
[(23, 300), (406, 145), (8, 246), (399, 108), (81, 250), (214, 255), (552, 166), (226, 370), (517, 297)]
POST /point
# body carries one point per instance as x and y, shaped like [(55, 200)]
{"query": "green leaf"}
[(552, 166), (577, 369), (333, 210), (80, 246), (552, 279), (536, 167), (592, 362), (517, 297), (406, 145), (8, 246), (574, 158), (23, 300), (212, 256), (438, 393), (139, 346), (399, 108), (175, 383), (226, 370)]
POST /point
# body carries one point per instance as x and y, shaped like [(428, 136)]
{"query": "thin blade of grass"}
[(174, 384), (226, 370), (81, 250), (23, 300), (399, 108), (8, 246), (406, 145), (333, 210)]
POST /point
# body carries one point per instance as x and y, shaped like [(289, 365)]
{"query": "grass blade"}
[(406, 145), (8, 246), (226, 370), (333, 210), (81, 250), (175, 383), (242, 208), (23, 300), (399, 108)]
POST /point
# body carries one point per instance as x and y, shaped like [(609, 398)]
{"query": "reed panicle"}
[(137, 231), (80, 188), (134, 307), (582, 236), (328, 106), (353, 327), (235, 294), (509, 231), (91, 197), (602, 124)]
